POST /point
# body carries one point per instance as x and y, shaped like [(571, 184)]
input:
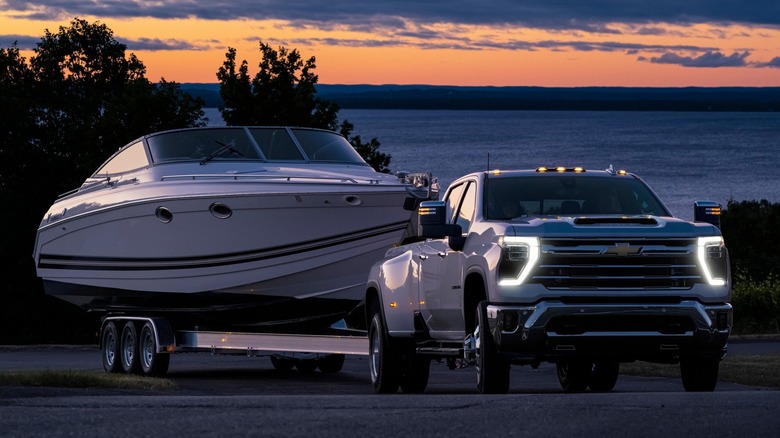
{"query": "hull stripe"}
[(53, 261)]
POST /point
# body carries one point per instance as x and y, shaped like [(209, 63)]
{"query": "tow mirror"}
[(433, 221), (707, 211)]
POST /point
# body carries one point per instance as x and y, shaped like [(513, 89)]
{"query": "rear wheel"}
[(109, 342), (415, 370), (129, 348), (492, 367), (574, 374), (383, 358), (604, 376), (153, 364), (699, 374)]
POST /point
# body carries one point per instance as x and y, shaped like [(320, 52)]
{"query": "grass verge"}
[(84, 379), (745, 370)]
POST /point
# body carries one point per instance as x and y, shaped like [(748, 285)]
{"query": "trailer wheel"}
[(306, 365), (492, 368), (129, 348), (332, 363), (109, 342), (383, 358), (282, 363), (153, 364)]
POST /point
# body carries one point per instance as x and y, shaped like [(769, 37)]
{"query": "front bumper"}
[(551, 330)]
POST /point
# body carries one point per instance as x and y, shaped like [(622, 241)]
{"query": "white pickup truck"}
[(584, 269)]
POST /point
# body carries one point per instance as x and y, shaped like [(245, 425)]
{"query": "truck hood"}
[(608, 225)]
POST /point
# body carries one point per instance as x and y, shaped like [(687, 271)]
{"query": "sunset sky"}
[(655, 43)]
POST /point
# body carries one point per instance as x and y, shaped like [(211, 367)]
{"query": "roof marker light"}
[(541, 169), (561, 169), (622, 172)]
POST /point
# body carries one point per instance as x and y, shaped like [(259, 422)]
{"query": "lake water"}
[(683, 156)]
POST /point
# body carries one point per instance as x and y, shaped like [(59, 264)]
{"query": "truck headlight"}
[(713, 260), (518, 258)]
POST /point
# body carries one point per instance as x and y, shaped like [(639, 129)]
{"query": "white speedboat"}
[(232, 227)]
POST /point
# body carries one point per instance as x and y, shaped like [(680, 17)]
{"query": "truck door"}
[(441, 270)]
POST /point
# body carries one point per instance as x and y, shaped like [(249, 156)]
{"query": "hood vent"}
[(646, 220)]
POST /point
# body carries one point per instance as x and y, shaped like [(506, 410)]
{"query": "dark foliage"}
[(77, 100), (283, 92), (752, 233)]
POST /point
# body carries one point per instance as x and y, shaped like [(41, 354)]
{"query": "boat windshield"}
[(265, 144), (555, 195), (202, 144)]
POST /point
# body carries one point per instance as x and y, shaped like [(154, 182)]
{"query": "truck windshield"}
[(567, 195)]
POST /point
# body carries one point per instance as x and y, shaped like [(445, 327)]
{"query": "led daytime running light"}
[(533, 256), (705, 242)]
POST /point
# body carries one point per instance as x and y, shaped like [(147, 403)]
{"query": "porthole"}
[(163, 214), (353, 200), (220, 211)]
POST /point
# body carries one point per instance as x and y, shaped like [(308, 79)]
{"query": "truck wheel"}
[(492, 368), (604, 376), (332, 363), (129, 348), (109, 342), (414, 372), (574, 374), (383, 359), (153, 364), (699, 374)]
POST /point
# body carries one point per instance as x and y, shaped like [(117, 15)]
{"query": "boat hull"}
[(260, 260)]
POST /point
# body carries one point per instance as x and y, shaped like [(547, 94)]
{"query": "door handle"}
[(423, 257), (442, 254)]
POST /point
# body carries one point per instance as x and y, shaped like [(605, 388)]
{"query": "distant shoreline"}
[(701, 99)]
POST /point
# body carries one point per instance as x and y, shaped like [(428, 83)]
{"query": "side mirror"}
[(433, 221), (707, 211)]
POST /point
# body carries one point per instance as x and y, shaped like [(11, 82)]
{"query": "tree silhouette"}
[(78, 99), (283, 92)]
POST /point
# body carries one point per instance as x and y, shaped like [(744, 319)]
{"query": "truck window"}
[(467, 207)]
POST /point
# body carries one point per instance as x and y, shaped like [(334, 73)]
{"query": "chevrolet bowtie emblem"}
[(623, 250)]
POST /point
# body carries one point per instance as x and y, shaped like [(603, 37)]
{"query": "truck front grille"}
[(603, 264)]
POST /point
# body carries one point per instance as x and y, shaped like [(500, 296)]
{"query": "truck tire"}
[(306, 365), (383, 358), (109, 343), (153, 364), (332, 363), (492, 367), (415, 372), (604, 376), (699, 374), (129, 348), (574, 374)]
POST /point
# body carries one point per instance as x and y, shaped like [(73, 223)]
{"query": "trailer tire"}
[(109, 345), (129, 348), (281, 363), (153, 364), (332, 363), (306, 365)]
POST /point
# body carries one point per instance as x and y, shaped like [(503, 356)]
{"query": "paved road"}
[(245, 396)]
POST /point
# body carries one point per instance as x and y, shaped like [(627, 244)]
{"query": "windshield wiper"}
[(224, 148)]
